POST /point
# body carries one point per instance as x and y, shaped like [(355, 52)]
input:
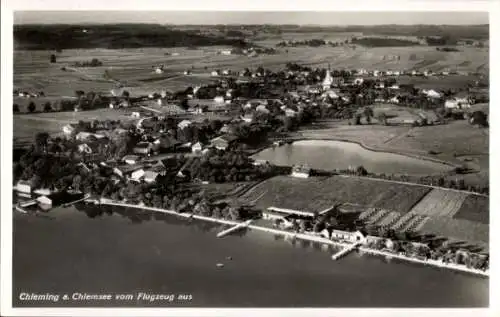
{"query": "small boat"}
[(21, 210), (220, 265), (229, 258)]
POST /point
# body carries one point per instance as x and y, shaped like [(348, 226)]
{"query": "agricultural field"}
[(440, 203), (459, 229), (400, 199), (26, 126), (32, 69), (474, 208), (319, 193)]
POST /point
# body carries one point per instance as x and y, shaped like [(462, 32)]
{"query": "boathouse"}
[(24, 187), (301, 171)]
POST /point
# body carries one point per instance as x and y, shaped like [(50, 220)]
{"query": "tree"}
[(361, 171), (31, 107), (41, 141), (382, 118), (53, 58), (479, 118), (79, 93), (368, 112), (47, 107), (16, 108)]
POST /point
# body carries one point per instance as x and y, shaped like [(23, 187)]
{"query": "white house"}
[(24, 187), (187, 72), (82, 136), (376, 73), (214, 73), (137, 175), (68, 129), (248, 118), (290, 112), (45, 201), (301, 171), (225, 52), (394, 86), (84, 148), (150, 176), (184, 124), (457, 103), (358, 81), (262, 108), (42, 191), (226, 72), (158, 70), (131, 159), (362, 71), (431, 93), (219, 99), (197, 147), (394, 99), (330, 93)]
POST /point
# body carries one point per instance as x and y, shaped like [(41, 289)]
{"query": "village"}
[(174, 145)]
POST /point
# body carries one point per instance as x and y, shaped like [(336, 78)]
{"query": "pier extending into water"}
[(303, 236), (232, 229), (345, 251)]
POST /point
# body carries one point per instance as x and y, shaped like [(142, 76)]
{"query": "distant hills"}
[(112, 36), (116, 36)]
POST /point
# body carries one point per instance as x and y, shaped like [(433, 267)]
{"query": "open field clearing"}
[(441, 203), (369, 135), (474, 208), (459, 229), (39, 102), (456, 138), (33, 70), (27, 125), (437, 82), (319, 193), (400, 199)]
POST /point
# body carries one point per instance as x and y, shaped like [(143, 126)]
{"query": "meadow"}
[(458, 216)]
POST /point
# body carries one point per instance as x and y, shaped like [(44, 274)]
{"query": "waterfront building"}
[(197, 147), (24, 187), (301, 171)]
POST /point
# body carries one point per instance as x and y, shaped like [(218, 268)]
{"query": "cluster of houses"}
[(27, 94), (287, 219)]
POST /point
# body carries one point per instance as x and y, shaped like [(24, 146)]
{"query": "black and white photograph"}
[(242, 159)]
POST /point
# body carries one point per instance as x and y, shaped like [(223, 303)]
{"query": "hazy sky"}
[(242, 17)]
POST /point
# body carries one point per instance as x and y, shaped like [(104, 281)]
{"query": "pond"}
[(330, 155)]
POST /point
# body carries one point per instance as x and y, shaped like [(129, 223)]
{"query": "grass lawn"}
[(474, 208), (465, 230), (319, 193), (27, 125)]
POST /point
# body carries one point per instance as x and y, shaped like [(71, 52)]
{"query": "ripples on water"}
[(91, 248)]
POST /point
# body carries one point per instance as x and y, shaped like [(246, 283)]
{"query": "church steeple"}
[(327, 82)]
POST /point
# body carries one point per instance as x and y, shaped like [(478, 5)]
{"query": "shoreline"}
[(377, 178), (375, 149), (304, 236)]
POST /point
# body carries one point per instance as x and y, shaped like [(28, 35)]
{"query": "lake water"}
[(330, 155), (162, 254)]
